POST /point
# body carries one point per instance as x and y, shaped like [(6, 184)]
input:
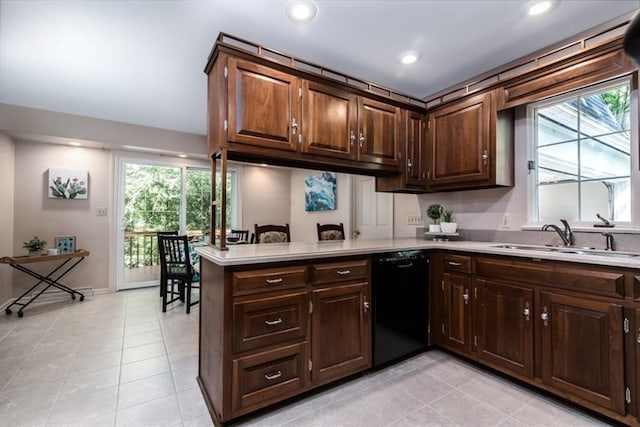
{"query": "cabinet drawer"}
[(460, 263), (269, 320), (574, 277), (340, 271), (270, 279), (268, 377)]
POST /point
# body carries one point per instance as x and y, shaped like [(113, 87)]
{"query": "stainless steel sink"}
[(570, 250)]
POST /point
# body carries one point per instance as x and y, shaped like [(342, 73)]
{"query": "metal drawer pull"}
[(273, 322), (405, 265), (273, 376), (343, 272), (455, 264), (272, 281)]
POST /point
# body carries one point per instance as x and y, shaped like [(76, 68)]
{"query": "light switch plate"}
[(101, 211), (506, 221), (414, 220)]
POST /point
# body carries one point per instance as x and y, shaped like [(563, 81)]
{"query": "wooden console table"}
[(20, 262)]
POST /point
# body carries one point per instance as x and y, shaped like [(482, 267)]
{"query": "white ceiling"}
[(142, 62)]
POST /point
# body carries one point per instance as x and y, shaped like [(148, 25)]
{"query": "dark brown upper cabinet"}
[(470, 145), (265, 112), (413, 151), (263, 103), (379, 132), (329, 121)]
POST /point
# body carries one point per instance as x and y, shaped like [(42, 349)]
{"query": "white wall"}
[(7, 169), (36, 214), (303, 224), (265, 196), (403, 206), (483, 209)]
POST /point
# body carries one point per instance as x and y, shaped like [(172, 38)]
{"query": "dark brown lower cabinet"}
[(582, 348), (504, 325), (341, 331), (266, 377), (457, 317)]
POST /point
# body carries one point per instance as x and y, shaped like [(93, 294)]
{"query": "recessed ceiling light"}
[(184, 156), (408, 58), (75, 144), (540, 7), (301, 10)]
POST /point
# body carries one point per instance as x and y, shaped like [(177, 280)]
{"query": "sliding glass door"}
[(157, 196)]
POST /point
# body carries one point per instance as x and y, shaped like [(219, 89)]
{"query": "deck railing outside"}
[(141, 247)]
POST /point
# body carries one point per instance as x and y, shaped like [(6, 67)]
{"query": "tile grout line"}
[(55, 400), (124, 327), (166, 350)]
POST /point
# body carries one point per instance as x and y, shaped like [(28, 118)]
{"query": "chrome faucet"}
[(566, 235), (609, 241)]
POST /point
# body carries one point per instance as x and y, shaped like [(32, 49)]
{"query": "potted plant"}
[(448, 223), (34, 246), (434, 212)]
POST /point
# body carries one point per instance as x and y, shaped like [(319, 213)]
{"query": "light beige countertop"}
[(278, 252)]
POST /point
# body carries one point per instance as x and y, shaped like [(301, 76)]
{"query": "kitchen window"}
[(582, 155)]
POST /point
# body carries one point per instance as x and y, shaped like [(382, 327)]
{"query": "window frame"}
[(532, 182)]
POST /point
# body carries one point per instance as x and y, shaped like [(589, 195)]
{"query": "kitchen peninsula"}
[(550, 317)]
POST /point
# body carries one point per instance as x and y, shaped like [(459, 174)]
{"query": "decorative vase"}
[(34, 253), (434, 228), (449, 227)]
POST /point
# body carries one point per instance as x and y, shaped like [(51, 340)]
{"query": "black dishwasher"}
[(400, 304)]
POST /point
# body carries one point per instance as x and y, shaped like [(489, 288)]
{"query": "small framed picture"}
[(66, 244)]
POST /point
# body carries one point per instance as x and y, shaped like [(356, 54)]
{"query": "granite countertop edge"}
[(282, 252)]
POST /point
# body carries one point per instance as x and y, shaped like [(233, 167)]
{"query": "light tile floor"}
[(116, 359)]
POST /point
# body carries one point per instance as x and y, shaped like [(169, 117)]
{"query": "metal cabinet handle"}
[(455, 264), (294, 126), (273, 322), (273, 376), (366, 305), (465, 296), (526, 312), (272, 281), (545, 316), (343, 272), (362, 140), (409, 163), (352, 137), (485, 157)]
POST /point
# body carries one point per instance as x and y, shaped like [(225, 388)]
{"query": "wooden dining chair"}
[(272, 233), (175, 264), (238, 236), (330, 231), (166, 233)]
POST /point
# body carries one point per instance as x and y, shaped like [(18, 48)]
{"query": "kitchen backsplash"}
[(622, 241)]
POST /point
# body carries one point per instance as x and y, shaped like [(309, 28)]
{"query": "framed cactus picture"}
[(68, 184)]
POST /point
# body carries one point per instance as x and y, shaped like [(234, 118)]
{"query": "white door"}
[(373, 211)]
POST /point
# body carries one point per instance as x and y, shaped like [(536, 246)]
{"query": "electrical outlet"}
[(506, 220), (414, 220), (101, 211)]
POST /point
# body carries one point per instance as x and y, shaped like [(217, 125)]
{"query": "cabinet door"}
[(415, 149), (263, 106), (379, 132), (457, 290), (503, 317), (582, 348), (341, 332), (459, 142), (329, 121)]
